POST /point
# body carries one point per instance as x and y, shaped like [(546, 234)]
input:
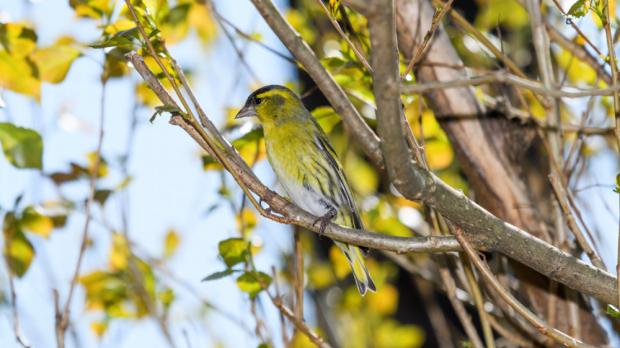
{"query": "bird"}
[(306, 166)]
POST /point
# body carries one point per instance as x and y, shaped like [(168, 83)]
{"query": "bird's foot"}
[(325, 220)]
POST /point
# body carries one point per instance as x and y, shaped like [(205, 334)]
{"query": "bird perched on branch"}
[(306, 166)]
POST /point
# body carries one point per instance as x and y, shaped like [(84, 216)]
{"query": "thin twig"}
[(16, 324), (508, 78), (299, 324), (299, 275), (511, 112), (239, 52), (479, 301), (561, 196), (62, 321), (488, 276), (509, 333), (345, 37), (251, 38), (419, 53), (276, 283)]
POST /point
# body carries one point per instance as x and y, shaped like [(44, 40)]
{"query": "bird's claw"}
[(324, 220)]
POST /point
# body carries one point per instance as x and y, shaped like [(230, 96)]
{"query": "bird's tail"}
[(360, 272)]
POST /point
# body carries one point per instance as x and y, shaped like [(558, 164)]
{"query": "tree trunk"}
[(491, 153)]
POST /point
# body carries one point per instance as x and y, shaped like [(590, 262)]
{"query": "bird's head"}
[(272, 105)]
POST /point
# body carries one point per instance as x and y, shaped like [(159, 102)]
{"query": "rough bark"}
[(486, 151)]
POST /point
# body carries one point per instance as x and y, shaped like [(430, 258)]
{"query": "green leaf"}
[(101, 196), (253, 282), (123, 39), (578, 9), (612, 311), (23, 147), (166, 108), (18, 250), (233, 251), (218, 275)]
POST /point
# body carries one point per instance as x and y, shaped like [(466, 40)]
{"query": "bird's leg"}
[(325, 220)]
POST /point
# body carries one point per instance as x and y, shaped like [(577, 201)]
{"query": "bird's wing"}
[(346, 198)]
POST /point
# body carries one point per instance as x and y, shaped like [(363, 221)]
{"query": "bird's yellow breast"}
[(288, 147)]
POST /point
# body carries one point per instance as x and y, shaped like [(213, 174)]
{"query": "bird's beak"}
[(246, 111)]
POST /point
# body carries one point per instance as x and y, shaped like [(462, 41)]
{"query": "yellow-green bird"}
[(306, 166)]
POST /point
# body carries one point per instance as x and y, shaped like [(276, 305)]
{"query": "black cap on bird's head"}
[(266, 101)]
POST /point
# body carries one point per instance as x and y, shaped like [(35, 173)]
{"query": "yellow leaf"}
[(18, 75), (18, 39), (201, 20), (577, 70), (174, 25), (339, 261), (390, 334), (439, 154), (54, 61), (119, 252), (301, 341), (35, 222), (94, 9), (166, 297), (91, 157), (146, 96), (246, 220), (509, 13), (320, 275), (171, 243), (120, 25), (300, 22), (385, 300), (99, 328), (361, 175)]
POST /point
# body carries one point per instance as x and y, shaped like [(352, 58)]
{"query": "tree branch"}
[(505, 77), (386, 82)]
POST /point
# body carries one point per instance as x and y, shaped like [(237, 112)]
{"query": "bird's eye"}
[(257, 101)]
